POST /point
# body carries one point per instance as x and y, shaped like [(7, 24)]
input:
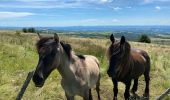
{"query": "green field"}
[(18, 56)]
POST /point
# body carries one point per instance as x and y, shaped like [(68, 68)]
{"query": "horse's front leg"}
[(115, 89), (69, 97), (127, 94), (87, 95)]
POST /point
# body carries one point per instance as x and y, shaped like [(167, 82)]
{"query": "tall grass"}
[(18, 56)]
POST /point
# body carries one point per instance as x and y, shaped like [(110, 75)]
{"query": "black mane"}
[(81, 57), (67, 48)]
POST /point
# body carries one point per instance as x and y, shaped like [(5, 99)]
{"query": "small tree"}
[(24, 30), (144, 38), (31, 30)]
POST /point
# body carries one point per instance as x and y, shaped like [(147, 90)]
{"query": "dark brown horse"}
[(127, 64)]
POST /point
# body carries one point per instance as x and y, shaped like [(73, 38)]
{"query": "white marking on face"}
[(58, 49)]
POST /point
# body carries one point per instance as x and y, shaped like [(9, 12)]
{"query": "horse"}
[(127, 64), (79, 72)]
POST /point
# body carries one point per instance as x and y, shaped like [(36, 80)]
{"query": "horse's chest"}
[(72, 88)]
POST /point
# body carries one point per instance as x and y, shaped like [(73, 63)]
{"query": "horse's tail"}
[(147, 67), (98, 81), (148, 64), (98, 87)]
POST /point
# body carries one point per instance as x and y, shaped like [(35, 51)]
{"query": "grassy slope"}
[(18, 56)]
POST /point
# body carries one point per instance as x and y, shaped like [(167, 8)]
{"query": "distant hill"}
[(137, 29), (130, 32)]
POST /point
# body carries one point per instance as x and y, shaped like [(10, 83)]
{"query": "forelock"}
[(42, 41)]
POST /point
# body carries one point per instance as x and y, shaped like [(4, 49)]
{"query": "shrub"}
[(24, 30), (31, 30), (144, 38)]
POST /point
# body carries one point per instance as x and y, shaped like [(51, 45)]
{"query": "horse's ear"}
[(39, 35), (122, 41), (56, 38), (112, 38)]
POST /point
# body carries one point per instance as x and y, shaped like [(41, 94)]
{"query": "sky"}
[(51, 13)]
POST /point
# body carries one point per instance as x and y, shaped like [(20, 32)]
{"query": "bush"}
[(24, 30), (144, 38), (30, 30)]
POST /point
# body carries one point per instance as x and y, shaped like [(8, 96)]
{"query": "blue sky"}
[(26, 13)]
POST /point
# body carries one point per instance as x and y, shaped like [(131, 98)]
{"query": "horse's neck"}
[(65, 68)]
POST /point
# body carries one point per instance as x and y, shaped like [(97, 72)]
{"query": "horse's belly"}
[(137, 71), (73, 88)]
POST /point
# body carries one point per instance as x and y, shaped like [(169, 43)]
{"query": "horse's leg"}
[(90, 95), (127, 94), (147, 79), (135, 86), (115, 89), (98, 88), (69, 97), (87, 95)]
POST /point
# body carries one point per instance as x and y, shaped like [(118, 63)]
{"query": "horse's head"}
[(117, 51), (49, 50)]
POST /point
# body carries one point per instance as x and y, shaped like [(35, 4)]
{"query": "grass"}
[(18, 56)]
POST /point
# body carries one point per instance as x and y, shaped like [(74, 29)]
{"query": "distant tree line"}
[(29, 30)]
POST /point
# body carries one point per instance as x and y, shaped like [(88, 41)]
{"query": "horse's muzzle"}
[(38, 81)]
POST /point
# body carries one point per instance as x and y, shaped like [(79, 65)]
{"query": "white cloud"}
[(129, 7), (115, 20), (150, 1), (4, 14), (89, 20), (158, 8), (99, 20), (117, 8), (106, 1), (53, 3)]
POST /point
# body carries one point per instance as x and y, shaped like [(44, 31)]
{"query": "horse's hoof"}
[(145, 95), (114, 98), (133, 92)]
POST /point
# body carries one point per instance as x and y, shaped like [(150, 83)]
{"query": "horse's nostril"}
[(37, 79)]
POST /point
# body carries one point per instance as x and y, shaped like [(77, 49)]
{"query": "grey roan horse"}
[(126, 64), (79, 73)]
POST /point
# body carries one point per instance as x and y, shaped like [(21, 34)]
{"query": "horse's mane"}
[(67, 47), (124, 64)]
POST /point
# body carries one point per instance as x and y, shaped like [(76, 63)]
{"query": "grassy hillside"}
[(18, 56)]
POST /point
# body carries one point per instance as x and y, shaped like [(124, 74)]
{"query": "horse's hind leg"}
[(98, 88), (147, 79), (135, 86)]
